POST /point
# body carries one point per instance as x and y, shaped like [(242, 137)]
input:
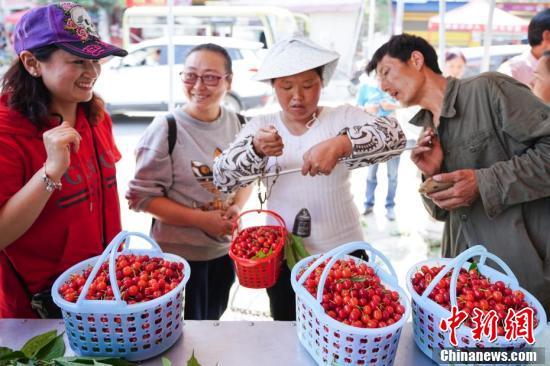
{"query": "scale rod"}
[(295, 170)]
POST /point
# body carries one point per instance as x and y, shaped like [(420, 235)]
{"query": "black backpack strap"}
[(172, 135), (172, 132), (242, 119)]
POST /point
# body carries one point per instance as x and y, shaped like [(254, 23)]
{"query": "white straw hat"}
[(294, 55)]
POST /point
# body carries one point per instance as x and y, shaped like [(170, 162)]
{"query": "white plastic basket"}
[(331, 342), (427, 314), (114, 328)]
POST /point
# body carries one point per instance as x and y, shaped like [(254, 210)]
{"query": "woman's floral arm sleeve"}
[(238, 160), (377, 135)]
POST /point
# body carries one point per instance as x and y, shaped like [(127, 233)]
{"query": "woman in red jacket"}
[(58, 197)]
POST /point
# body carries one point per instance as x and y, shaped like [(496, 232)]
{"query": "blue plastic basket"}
[(331, 342), (427, 314), (114, 328)]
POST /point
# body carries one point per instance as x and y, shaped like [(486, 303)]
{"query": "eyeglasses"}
[(191, 78)]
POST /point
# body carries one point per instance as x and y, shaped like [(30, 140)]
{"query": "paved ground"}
[(404, 241)]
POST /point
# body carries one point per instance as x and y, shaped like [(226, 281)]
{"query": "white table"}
[(228, 343)]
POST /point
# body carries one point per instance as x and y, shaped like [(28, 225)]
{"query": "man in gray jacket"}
[(489, 137)]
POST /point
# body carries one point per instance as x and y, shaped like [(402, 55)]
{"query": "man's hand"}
[(323, 157), (463, 192), (428, 156)]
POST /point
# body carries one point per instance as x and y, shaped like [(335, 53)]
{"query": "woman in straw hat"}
[(314, 138), (58, 199)]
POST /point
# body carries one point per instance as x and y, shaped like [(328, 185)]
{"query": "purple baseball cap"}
[(68, 26)]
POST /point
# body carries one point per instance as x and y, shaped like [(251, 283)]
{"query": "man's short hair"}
[(401, 47), (537, 26)]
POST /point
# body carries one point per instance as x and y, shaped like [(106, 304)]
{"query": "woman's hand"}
[(267, 142), (428, 156), (232, 212), (216, 223), (58, 142), (323, 157)]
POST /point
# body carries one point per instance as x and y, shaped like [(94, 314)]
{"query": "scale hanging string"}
[(313, 119), (263, 197)]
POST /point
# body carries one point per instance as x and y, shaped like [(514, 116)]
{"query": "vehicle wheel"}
[(232, 102)]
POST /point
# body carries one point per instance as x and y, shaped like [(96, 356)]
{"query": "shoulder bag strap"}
[(172, 135), (172, 132), (242, 119)]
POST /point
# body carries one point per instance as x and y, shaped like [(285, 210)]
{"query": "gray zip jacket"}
[(493, 124)]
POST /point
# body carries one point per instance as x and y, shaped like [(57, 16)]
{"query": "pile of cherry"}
[(473, 291), (354, 295), (257, 242), (139, 278)]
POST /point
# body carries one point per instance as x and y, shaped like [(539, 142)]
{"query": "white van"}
[(266, 24)]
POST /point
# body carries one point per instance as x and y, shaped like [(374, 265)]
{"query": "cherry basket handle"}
[(462, 257), (111, 251), (277, 217), (336, 253)]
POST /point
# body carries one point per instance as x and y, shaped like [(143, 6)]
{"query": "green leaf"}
[(261, 254), (354, 279), (5, 351), (61, 362), (112, 361), (13, 356), (290, 257), (116, 361), (54, 349), (166, 362), (299, 248), (473, 266), (193, 361), (34, 344), (69, 361)]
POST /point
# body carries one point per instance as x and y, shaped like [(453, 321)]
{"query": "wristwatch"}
[(50, 184)]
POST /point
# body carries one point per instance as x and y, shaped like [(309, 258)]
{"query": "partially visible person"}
[(304, 134), (192, 217), (455, 63), (496, 155), (375, 101), (541, 86), (522, 67), (58, 198), (154, 57)]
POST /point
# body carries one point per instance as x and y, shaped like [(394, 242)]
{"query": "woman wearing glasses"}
[(174, 183)]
